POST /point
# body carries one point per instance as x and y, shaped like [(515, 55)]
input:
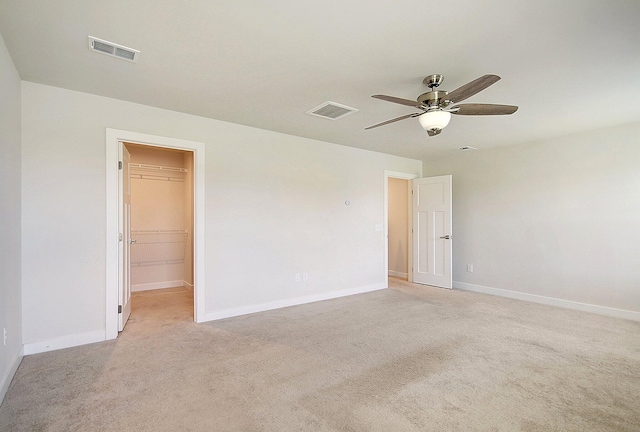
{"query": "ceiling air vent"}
[(331, 110), (112, 49)]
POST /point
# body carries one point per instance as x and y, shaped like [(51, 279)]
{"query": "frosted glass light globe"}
[(434, 119)]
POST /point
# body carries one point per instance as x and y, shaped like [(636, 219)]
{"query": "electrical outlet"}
[(5, 336), (305, 276), (470, 268), (297, 277)]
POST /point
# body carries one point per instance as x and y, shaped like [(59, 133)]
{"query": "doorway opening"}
[(398, 216), (116, 287), (429, 233), (398, 228), (161, 229)]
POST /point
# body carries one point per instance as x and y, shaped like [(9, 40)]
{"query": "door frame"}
[(114, 140), (402, 176)]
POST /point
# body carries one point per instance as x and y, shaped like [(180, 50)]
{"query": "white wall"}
[(10, 208), (558, 218), (398, 227), (275, 205)]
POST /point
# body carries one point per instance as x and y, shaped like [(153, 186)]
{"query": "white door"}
[(432, 231), (124, 294)]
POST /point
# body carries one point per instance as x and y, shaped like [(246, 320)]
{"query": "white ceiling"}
[(570, 65)]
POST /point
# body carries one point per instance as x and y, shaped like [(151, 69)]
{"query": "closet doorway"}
[(397, 225), (161, 221), (116, 287), (399, 229)]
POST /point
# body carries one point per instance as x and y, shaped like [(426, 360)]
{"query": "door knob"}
[(447, 237), (132, 241)]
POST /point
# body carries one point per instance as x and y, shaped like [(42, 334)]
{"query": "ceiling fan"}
[(437, 105)]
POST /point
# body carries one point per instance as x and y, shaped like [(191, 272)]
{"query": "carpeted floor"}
[(411, 358)]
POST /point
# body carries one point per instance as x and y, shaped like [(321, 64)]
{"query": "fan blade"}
[(484, 109), (434, 132), (393, 120), (397, 100), (471, 88)]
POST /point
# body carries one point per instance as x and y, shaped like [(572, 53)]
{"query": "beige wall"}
[(10, 220), (557, 218), (157, 204), (274, 206), (398, 227)]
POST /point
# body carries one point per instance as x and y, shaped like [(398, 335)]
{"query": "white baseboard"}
[(64, 342), (6, 379), (398, 274), (550, 301), (187, 285), (157, 285), (249, 309)]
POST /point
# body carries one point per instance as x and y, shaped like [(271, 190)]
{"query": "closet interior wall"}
[(161, 217), (399, 229)]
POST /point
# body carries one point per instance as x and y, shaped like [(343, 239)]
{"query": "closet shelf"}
[(153, 247), (156, 172)]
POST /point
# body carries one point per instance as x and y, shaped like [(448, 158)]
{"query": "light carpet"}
[(411, 358)]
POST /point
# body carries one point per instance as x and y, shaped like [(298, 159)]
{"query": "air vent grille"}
[(332, 110), (112, 49), (103, 47), (125, 54)]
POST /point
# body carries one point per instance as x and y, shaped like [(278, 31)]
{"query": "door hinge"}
[(119, 165), (120, 237), (119, 308)]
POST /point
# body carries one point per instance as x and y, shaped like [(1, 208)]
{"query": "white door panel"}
[(124, 293), (432, 231)]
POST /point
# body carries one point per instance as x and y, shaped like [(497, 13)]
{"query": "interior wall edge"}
[(68, 341), (157, 285), (549, 301), (8, 377), (250, 309), (11, 215)]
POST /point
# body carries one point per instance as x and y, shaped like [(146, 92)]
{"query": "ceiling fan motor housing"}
[(432, 98)]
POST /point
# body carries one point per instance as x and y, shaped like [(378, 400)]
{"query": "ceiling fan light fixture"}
[(437, 106), (434, 120)]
